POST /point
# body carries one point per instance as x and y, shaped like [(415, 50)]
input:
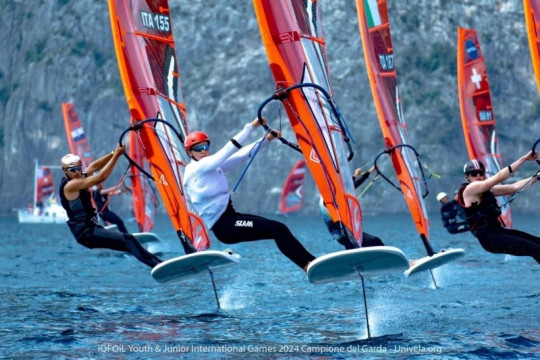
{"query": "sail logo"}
[(476, 78), (244, 223), (386, 61), (155, 21), (163, 181), (485, 115), (471, 49), (77, 134), (289, 36), (313, 157)]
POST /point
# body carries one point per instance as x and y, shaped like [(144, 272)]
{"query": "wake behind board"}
[(346, 264), (432, 262), (192, 264)]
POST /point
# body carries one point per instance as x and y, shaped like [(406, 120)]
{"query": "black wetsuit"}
[(84, 227), (233, 227), (451, 212), (106, 214), (483, 219)]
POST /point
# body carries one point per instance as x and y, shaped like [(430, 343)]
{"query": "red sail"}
[(379, 56), (78, 143), (477, 115), (145, 50), (144, 195), (531, 9), (292, 195), (292, 35)]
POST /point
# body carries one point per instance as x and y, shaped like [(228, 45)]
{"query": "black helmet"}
[(473, 165)]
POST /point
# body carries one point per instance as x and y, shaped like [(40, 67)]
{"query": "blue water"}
[(61, 300)]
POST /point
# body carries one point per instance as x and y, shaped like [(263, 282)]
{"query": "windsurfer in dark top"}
[(208, 192), (101, 198), (76, 199), (452, 215), (477, 197), (335, 229)]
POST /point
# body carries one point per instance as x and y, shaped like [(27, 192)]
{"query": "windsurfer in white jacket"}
[(208, 192)]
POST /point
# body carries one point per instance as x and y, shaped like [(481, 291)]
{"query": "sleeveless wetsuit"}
[(84, 227), (208, 192), (107, 214), (483, 219)]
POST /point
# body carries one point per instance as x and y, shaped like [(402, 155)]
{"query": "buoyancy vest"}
[(482, 214), (80, 211)]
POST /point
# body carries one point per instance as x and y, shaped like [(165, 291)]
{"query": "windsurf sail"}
[(145, 50), (145, 201), (44, 188), (379, 56), (78, 143), (292, 194), (531, 9), (45, 207), (292, 35), (477, 115)]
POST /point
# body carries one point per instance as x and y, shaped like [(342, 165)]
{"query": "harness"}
[(483, 214), (81, 213)]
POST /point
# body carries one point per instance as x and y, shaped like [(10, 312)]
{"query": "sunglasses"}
[(200, 148), (74, 168), (476, 173)]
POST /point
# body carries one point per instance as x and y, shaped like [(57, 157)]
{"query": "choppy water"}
[(61, 300)]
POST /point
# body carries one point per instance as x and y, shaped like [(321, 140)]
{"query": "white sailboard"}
[(432, 262), (349, 264), (192, 264)]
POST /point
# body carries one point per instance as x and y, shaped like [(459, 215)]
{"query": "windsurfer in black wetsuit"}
[(477, 197), (101, 198), (452, 215), (76, 199), (335, 229)]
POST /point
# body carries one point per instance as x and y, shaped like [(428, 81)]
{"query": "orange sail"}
[(379, 56), (531, 9), (477, 115), (145, 50), (78, 143), (292, 194), (292, 35)]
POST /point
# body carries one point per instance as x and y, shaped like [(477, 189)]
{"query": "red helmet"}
[(194, 138)]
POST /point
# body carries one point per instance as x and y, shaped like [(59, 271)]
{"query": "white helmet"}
[(70, 160), (441, 196)]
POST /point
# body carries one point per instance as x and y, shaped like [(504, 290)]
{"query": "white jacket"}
[(205, 182)]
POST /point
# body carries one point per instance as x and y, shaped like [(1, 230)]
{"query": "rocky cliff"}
[(62, 50)]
